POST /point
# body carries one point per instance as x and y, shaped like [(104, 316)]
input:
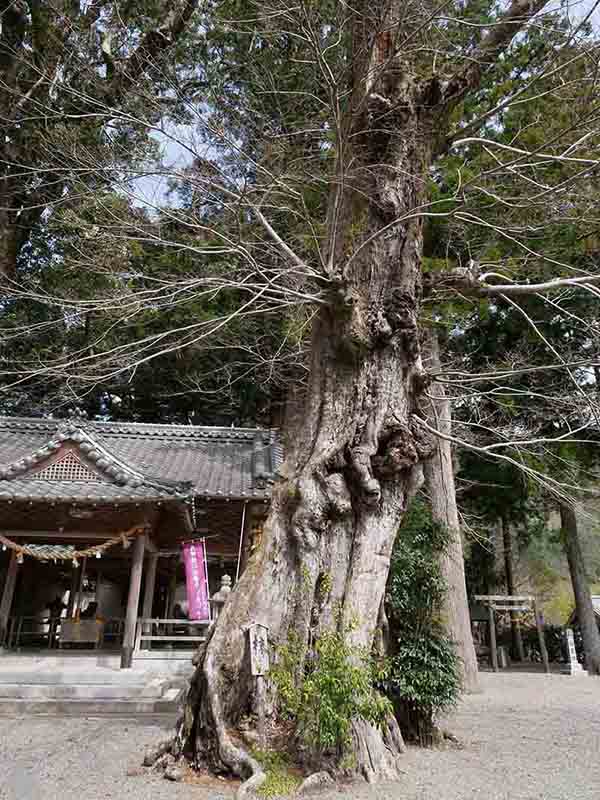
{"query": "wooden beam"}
[(149, 588), (542, 640), (65, 535), (133, 599), (493, 648), (8, 594), (517, 598)]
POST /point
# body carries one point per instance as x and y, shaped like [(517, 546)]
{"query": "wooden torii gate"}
[(512, 602)]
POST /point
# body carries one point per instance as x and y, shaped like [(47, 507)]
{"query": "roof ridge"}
[(140, 459), (141, 427)]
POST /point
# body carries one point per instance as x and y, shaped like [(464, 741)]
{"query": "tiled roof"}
[(54, 459)]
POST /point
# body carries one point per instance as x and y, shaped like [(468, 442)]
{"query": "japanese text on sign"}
[(259, 649), (196, 580)]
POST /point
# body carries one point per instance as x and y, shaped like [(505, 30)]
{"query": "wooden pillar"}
[(133, 599), (8, 594), (171, 592), (149, 588), (493, 648), (246, 539), (542, 639), (98, 587)]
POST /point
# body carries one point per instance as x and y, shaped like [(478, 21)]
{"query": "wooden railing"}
[(31, 629), (167, 631), (36, 632), (46, 632)]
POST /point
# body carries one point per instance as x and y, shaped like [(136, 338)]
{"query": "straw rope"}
[(120, 538)]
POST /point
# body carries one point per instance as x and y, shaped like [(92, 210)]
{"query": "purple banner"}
[(196, 580)]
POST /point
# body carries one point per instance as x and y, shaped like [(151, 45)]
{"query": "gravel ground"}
[(525, 737)]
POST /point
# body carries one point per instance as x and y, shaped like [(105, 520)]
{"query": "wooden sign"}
[(258, 636), (80, 631)]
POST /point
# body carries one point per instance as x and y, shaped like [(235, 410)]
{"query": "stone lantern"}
[(219, 599)]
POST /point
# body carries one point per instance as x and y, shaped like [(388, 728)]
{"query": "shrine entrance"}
[(513, 605), (92, 522)]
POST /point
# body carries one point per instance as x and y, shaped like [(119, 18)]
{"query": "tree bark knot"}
[(402, 447), (401, 316)]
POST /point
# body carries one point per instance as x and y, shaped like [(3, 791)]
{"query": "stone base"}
[(572, 669)]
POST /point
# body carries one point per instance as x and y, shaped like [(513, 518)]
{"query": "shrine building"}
[(93, 516)]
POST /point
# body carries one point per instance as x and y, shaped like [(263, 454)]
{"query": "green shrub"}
[(423, 677), (324, 691), (281, 781)]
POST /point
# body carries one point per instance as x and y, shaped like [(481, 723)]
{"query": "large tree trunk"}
[(347, 483), (439, 481), (507, 545), (581, 589), (356, 463)]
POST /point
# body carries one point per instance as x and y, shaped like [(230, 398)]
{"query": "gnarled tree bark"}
[(351, 471), (581, 589), (439, 482)]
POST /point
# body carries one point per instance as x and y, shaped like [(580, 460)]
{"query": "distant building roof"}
[(595, 603), (107, 461)]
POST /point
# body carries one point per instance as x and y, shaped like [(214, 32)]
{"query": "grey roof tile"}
[(153, 461)]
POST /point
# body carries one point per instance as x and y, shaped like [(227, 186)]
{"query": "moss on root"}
[(281, 780)]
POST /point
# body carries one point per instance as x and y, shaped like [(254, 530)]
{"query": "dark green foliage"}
[(325, 691), (554, 636), (423, 676)]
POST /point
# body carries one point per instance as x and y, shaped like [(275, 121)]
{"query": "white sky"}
[(151, 191)]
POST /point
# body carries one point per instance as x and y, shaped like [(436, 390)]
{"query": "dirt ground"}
[(524, 737)]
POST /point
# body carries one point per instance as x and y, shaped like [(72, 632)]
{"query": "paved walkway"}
[(525, 737)]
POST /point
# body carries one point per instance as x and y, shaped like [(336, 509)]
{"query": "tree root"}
[(315, 782), (592, 665), (249, 787), (376, 752)]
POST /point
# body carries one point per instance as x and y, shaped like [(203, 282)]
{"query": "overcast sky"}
[(152, 191), (582, 7)]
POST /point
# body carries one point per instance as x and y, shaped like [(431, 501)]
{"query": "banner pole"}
[(237, 571), (206, 580)]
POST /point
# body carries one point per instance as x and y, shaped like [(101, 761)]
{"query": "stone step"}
[(104, 707), (37, 691), (83, 661), (164, 655), (71, 677), (164, 660)]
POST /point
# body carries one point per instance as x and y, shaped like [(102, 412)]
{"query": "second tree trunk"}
[(581, 589), (518, 652)]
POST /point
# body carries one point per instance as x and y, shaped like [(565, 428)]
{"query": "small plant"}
[(325, 584), (325, 689), (281, 781)]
